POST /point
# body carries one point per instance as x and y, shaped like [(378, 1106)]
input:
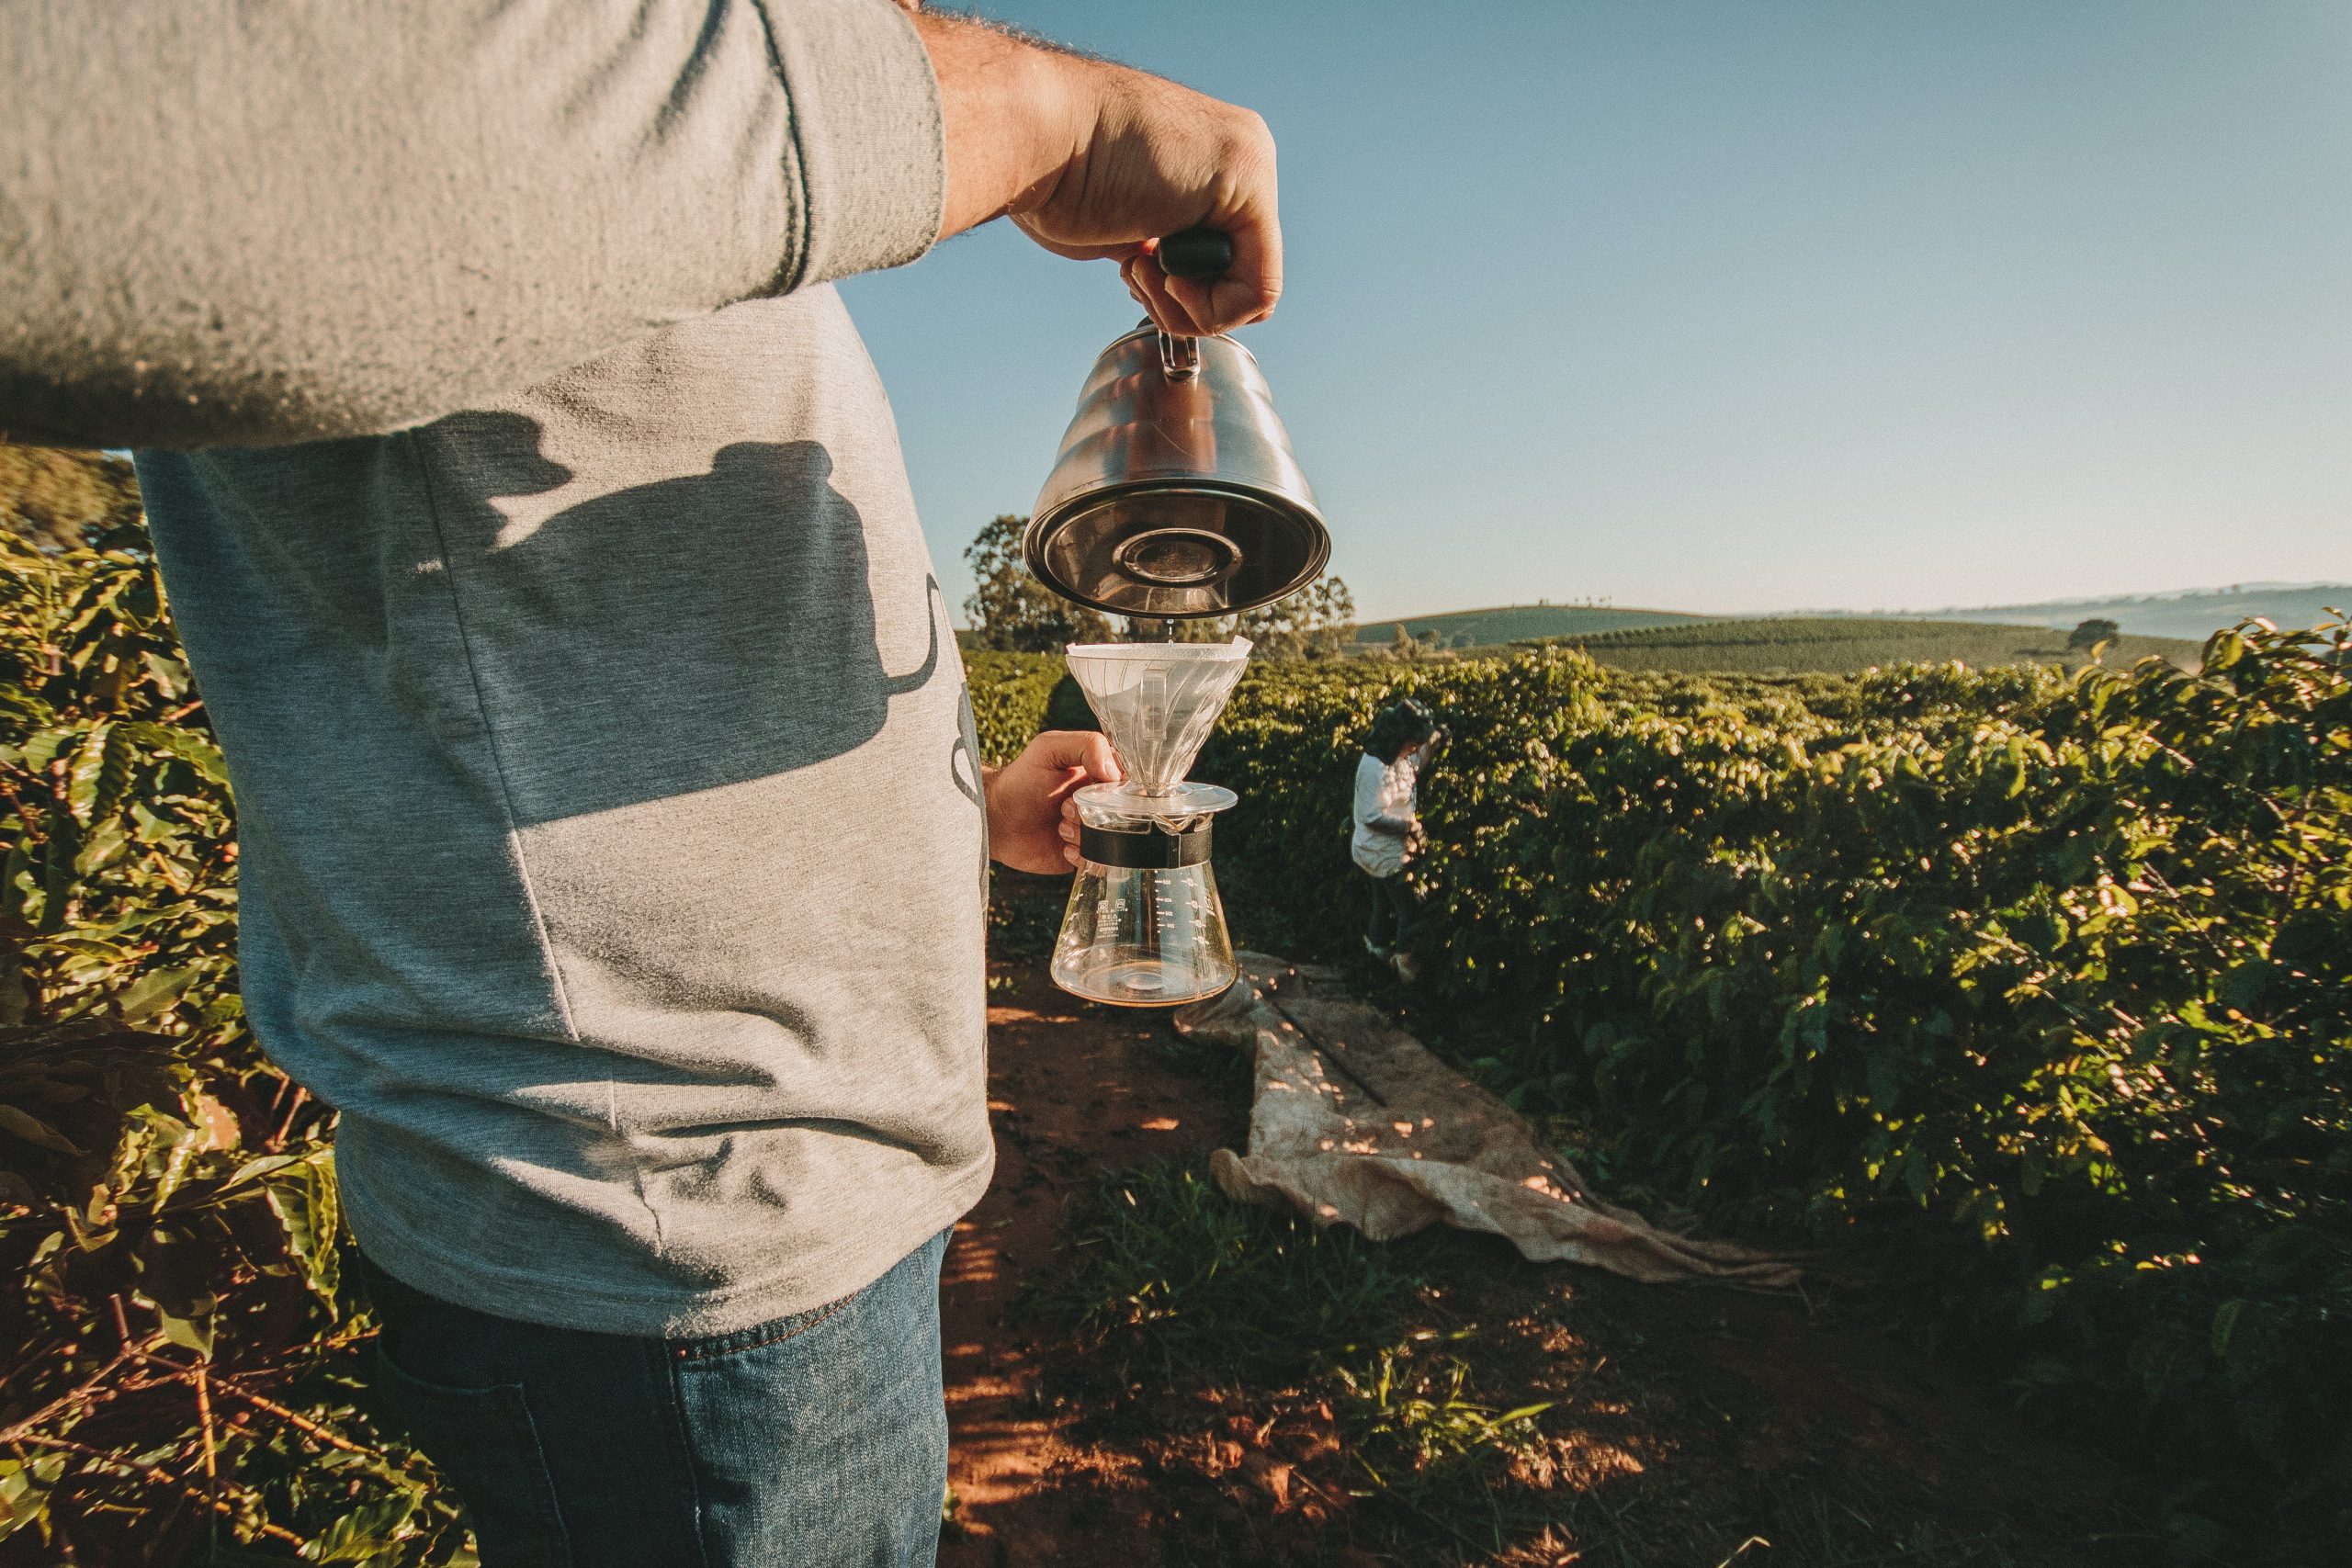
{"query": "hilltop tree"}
[(1012, 612), (1317, 622), (1150, 629), (2088, 635), (1407, 647)]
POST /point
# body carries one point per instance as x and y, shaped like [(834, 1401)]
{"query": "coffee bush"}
[(2034, 991)]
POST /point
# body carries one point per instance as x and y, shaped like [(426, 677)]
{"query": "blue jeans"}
[(819, 1441)]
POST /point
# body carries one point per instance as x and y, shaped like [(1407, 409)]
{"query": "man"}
[(612, 828)]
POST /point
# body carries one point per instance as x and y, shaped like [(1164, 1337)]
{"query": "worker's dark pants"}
[(1396, 910)]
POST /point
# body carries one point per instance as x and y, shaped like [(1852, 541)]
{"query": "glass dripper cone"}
[(1158, 701)]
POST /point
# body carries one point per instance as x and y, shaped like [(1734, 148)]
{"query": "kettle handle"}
[(1198, 253), (1201, 254)]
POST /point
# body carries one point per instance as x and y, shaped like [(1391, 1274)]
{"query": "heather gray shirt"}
[(612, 843)]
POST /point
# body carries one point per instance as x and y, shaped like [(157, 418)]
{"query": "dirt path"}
[(1075, 1090), (1694, 1418)]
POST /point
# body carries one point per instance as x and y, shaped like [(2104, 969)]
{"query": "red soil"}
[(1676, 1408), (1076, 1089)]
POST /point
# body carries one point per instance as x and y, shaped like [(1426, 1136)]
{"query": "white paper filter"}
[(1158, 701)]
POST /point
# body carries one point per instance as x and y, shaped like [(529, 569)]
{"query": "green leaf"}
[(189, 746), (155, 991), (46, 746), (82, 776), (263, 1166), (169, 674), (33, 1130), (2225, 1323), (189, 1333), (103, 847), (24, 1494), (369, 1533), (305, 1199)]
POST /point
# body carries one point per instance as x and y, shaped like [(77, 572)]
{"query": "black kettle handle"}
[(1197, 253)]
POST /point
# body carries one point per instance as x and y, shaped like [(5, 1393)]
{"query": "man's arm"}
[(246, 222), (1094, 160), (252, 222)]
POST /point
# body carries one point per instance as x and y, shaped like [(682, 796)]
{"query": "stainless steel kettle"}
[(1175, 495)]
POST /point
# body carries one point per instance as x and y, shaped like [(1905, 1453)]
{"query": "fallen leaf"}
[(1272, 1475)]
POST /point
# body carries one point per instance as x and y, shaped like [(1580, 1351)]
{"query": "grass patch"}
[(1216, 1317), (1303, 1398), (1416, 1429), (1817, 1526), (1170, 1276)]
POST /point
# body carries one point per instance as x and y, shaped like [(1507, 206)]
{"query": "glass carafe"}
[(1144, 927)]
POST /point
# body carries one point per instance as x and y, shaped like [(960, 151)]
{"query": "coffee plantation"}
[(180, 1348), (2033, 990), (2029, 993)]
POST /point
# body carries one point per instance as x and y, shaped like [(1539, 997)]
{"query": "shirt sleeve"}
[(244, 223), (1371, 804)]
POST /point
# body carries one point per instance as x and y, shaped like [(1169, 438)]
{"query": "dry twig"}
[(157, 1477)]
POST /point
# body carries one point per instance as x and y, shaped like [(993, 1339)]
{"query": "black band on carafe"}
[(1147, 848)]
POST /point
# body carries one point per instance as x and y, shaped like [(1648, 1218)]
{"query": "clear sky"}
[(1735, 306)]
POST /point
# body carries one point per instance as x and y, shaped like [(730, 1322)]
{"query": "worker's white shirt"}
[(1382, 789)]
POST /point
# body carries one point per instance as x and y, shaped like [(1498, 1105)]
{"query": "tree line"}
[(1011, 611)]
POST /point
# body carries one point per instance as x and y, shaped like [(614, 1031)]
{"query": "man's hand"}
[(1095, 161), (1033, 822)]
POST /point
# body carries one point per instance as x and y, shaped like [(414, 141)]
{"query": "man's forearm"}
[(247, 221), (1012, 117), (1094, 159)]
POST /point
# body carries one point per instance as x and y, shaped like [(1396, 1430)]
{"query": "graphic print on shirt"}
[(964, 768), (580, 627), (963, 751)]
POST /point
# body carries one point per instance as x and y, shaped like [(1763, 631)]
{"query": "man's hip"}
[(818, 1440)]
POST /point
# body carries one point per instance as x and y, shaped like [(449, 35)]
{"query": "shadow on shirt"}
[(668, 637)]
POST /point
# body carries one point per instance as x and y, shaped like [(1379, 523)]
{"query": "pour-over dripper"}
[(1158, 701), (1144, 927)]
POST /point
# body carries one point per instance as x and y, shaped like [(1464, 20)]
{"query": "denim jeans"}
[(819, 1441)]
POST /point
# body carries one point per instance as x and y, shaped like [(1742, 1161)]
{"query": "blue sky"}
[(1735, 306)]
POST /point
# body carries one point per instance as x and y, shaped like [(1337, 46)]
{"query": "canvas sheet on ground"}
[(1353, 1120)]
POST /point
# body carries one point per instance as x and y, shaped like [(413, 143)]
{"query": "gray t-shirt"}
[(613, 850)]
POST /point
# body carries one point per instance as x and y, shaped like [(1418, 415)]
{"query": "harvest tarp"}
[(1355, 1122)]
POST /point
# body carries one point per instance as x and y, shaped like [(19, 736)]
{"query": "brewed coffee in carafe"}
[(1144, 927)]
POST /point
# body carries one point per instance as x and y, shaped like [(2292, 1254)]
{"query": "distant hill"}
[(1842, 645), (2196, 613), (1514, 623)]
